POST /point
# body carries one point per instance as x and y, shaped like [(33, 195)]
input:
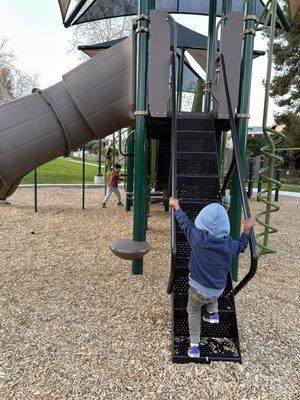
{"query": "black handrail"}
[(237, 161), (173, 149)]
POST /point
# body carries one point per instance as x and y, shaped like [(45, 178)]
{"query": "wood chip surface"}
[(76, 324)]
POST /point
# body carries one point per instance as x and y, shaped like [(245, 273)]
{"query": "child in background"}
[(212, 251), (108, 159), (226, 201), (112, 186)]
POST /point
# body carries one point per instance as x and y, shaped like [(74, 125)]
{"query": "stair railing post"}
[(211, 44), (242, 124)]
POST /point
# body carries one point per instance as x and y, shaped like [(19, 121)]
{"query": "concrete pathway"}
[(284, 193)]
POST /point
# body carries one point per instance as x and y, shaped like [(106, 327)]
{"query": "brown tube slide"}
[(92, 101)]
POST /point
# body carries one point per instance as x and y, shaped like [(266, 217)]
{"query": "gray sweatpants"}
[(110, 191), (195, 303)]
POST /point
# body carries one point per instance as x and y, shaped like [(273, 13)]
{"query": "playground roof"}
[(102, 9), (93, 10)]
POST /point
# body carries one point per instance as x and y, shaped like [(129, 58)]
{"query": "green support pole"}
[(130, 170), (114, 150), (147, 194), (99, 158), (278, 178), (226, 8), (153, 172), (223, 158), (35, 190), (250, 176), (242, 126), (211, 44), (140, 140), (268, 140), (198, 99), (259, 184), (166, 200), (219, 142), (83, 177)]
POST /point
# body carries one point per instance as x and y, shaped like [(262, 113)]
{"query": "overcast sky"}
[(41, 44)]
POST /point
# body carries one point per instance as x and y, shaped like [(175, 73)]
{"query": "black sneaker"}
[(120, 205), (103, 205)]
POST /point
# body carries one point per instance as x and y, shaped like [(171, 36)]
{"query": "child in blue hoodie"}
[(212, 251)]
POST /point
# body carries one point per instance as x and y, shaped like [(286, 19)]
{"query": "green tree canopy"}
[(286, 82)]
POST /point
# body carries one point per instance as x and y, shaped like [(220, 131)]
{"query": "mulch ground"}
[(75, 324)]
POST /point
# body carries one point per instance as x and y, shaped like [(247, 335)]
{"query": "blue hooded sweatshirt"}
[(212, 249)]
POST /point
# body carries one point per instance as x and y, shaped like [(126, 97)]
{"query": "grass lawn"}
[(63, 170), (286, 187)]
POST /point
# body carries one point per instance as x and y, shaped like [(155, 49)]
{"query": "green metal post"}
[(114, 150), (130, 170), (223, 158), (242, 125), (99, 158), (140, 140), (268, 140), (259, 183), (166, 200), (83, 177), (211, 44), (147, 188), (219, 142), (198, 99), (226, 8), (278, 177), (250, 176), (35, 190)]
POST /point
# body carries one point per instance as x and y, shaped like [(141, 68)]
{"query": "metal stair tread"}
[(198, 176), (211, 349)]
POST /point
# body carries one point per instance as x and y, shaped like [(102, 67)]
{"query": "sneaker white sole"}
[(210, 321), (193, 356)]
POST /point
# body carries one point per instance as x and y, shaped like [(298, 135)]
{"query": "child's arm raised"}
[(186, 225), (240, 245)]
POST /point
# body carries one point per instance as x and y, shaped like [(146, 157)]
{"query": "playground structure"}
[(120, 87)]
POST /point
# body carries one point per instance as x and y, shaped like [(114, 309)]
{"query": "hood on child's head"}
[(214, 220)]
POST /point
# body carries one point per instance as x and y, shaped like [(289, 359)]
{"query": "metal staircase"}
[(196, 183)]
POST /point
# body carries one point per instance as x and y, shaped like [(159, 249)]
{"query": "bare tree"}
[(101, 31), (14, 82)]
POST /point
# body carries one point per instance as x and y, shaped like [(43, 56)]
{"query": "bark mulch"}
[(75, 324)]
